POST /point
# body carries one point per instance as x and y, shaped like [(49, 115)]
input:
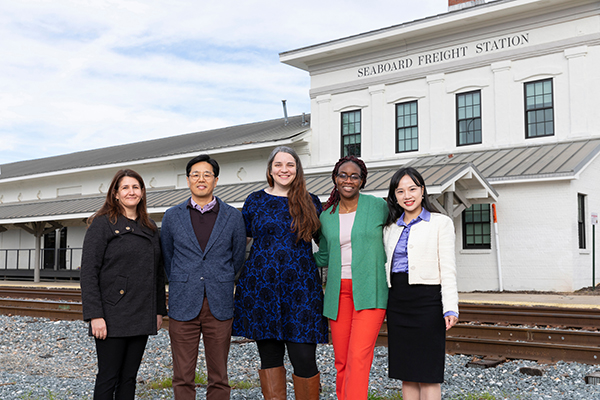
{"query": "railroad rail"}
[(567, 317), (72, 295), (530, 343), (536, 333), (41, 308)]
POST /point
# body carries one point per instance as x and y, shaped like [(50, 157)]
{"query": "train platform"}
[(47, 285), (566, 300)]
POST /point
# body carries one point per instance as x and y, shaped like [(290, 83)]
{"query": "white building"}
[(53, 196), (493, 102), (510, 86)]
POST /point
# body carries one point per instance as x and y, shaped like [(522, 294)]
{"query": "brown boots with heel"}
[(273, 385)]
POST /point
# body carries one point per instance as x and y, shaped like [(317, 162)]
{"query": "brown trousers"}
[(185, 338)]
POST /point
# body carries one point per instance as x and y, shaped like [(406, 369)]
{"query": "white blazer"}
[(431, 256)]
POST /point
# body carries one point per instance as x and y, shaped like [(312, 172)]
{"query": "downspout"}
[(497, 248)]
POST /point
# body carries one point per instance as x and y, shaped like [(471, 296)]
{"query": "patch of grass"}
[(161, 383), (201, 378), (164, 383), (474, 396), (373, 395), (167, 382), (28, 396), (48, 396), (145, 393), (244, 384), (395, 396)]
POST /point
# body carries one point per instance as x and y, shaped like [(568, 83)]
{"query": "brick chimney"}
[(460, 4)]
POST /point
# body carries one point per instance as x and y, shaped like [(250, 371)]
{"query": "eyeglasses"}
[(195, 176), (343, 176)]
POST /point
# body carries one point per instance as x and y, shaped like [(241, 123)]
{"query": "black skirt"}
[(416, 331)]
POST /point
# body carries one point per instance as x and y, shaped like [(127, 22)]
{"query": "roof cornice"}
[(227, 150), (307, 58)]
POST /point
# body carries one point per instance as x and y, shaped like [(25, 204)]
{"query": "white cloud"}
[(80, 74)]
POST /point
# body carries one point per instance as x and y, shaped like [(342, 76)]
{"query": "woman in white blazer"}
[(421, 274)]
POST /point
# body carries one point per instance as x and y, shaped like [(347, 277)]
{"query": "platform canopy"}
[(463, 180), (454, 181)]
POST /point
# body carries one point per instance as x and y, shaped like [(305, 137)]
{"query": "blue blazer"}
[(192, 273)]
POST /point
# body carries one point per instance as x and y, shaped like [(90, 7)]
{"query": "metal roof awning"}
[(451, 187), (463, 180), (468, 176), (550, 161), (455, 187)]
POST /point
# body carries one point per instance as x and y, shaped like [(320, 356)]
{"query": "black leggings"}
[(119, 359), (303, 356)]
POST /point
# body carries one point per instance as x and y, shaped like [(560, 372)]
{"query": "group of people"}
[(395, 259)]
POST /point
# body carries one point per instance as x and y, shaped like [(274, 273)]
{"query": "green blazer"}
[(368, 256)]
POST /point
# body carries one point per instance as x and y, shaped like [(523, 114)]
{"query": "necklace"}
[(348, 210)]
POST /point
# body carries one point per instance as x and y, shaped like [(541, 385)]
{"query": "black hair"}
[(203, 158), (334, 197), (395, 210)]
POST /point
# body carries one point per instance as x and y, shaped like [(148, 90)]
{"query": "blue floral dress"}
[(279, 294)]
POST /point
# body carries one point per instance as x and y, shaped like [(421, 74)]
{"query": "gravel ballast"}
[(43, 359)]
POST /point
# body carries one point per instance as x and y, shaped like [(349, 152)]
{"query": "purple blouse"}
[(400, 257)]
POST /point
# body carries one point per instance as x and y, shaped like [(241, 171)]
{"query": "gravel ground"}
[(43, 359)]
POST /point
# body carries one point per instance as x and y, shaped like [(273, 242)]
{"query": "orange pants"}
[(354, 335)]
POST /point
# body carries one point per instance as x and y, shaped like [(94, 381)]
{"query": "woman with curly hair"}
[(279, 297), (351, 245)]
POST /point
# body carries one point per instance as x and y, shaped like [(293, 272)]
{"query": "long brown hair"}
[(305, 221), (334, 197), (114, 208)]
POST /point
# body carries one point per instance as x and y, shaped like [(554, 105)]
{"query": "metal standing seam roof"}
[(544, 161), (158, 200), (258, 132), (556, 160)]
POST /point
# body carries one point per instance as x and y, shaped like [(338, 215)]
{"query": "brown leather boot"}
[(307, 388), (272, 383)]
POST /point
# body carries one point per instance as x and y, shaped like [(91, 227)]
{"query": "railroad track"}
[(533, 333), (542, 345), (41, 308), (539, 333), (531, 315), (71, 295)]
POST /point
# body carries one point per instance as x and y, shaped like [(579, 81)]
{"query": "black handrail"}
[(19, 263)]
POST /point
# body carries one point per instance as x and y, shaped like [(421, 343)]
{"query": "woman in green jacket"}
[(351, 246)]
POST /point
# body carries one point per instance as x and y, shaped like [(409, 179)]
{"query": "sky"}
[(84, 74)]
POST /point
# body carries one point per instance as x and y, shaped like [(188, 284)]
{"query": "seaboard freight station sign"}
[(448, 54)]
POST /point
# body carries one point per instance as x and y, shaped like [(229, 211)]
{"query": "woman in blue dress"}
[(279, 296)]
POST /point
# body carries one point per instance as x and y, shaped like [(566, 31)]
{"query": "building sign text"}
[(444, 55)]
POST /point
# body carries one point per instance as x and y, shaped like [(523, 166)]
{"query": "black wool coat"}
[(122, 276)]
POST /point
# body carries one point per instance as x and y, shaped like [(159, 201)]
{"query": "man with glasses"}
[(203, 244)]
